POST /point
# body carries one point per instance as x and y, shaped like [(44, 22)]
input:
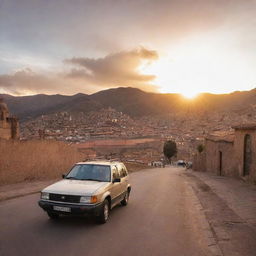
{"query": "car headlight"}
[(88, 199), (45, 195)]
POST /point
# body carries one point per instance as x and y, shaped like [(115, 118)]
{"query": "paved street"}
[(161, 219)]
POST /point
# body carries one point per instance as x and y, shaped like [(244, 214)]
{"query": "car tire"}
[(125, 201), (53, 215), (104, 213)]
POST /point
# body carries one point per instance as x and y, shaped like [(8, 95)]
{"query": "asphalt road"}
[(159, 220)]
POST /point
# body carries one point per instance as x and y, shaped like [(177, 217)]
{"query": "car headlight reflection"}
[(45, 195)]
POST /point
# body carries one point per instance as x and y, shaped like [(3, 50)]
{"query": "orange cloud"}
[(114, 69)]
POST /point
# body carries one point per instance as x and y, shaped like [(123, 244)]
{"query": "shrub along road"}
[(163, 217)]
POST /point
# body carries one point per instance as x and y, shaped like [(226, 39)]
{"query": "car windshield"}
[(90, 172)]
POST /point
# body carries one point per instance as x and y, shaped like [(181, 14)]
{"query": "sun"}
[(172, 76), (189, 95)]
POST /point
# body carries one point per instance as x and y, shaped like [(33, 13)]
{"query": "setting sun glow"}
[(198, 65), (189, 95)]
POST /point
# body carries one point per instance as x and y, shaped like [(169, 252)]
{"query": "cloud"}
[(22, 80), (103, 26), (26, 81), (118, 69), (91, 75)]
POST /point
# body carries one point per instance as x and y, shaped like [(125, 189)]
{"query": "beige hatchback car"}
[(90, 188)]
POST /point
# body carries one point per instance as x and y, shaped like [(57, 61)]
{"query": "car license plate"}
[(61, 209)]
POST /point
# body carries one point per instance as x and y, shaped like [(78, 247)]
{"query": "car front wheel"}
[(124, 202), (104, 214)]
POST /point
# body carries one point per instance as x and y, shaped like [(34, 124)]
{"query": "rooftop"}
[(221, 136), (248, 126)]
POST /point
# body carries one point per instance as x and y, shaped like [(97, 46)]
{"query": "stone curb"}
[(13, 191), (3, 198)]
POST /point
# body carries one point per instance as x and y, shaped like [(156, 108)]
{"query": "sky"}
[(175, 46)]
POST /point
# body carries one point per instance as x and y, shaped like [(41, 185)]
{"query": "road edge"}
[(13, 191)]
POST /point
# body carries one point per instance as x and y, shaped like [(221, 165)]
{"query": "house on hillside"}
[(9, 125), (230, 153)]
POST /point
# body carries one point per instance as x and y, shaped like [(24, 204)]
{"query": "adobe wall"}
[(212, 151), (199, 162), (239, 153)]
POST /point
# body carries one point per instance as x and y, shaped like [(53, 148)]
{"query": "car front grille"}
[(64, 198)]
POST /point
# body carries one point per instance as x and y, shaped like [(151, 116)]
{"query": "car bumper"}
[(75, 209)]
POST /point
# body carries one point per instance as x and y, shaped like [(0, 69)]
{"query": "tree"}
[(200, 148), (170, 149)]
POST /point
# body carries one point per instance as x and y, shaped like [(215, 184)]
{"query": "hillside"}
[(131, 101), (26, 107)]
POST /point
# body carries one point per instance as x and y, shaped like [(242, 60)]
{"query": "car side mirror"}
[(63, 176), (116, 180)]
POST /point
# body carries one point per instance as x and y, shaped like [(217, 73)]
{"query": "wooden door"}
[(247, 154)]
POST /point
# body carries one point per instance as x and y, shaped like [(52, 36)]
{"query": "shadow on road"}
[(66, 221)]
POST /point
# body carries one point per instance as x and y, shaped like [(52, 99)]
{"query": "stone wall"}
[(220, 158)]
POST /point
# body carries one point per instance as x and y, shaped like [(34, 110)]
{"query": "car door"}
[(116, 187), (124, 177)]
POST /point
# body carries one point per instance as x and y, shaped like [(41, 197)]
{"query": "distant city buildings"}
[(186, 129)]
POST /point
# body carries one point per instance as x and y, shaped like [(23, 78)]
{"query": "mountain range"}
[(131, 101)]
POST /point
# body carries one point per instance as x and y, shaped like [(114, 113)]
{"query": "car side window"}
[(115, 173), (123, 171)]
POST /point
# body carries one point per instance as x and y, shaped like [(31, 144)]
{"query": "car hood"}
[(75, 187)]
